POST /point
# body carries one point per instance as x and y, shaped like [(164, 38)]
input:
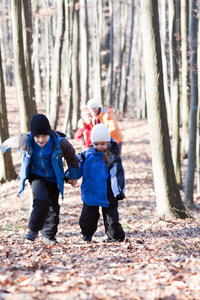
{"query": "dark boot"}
[(31, 235)]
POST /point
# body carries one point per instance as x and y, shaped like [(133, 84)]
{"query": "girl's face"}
[(41, 140), (101, 146), (95, 111)]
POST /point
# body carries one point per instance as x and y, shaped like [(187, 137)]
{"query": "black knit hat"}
[(39, 124)]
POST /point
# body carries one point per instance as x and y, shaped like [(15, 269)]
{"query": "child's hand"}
[(72, 182)]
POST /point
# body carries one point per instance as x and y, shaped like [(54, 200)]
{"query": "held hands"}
[(72, 182)]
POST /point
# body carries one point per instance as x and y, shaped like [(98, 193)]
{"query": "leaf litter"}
[(160, 259)]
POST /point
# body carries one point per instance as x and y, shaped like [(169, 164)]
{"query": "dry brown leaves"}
[(159, 259)]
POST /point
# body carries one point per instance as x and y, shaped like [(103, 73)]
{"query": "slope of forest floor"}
[(160, 259)]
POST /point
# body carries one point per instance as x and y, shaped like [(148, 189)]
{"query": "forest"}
[(142, 59)]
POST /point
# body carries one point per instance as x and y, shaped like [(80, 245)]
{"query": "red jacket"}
[(84, 133)]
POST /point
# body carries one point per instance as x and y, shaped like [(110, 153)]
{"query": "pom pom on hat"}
[(100, 133), (39, 125), (92, 103)]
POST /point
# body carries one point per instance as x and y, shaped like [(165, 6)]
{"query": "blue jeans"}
[(45, 212)]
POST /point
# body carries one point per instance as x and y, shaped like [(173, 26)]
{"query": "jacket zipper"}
[(42, 163)]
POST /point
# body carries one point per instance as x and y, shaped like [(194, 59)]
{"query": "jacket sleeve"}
[(117, 179), (79, 133), (81, 160), (17, 142), (70, 156)]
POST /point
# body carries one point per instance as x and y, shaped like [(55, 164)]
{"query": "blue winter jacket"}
[(61, 148), (102, 185)]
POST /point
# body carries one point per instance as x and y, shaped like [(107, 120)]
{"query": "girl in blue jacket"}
[(103, 184), (43, 149)]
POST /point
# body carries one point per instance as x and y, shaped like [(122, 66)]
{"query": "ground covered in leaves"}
[(160, 259)]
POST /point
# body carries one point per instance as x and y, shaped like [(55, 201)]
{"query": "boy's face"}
[(41, 140), (101, 146)]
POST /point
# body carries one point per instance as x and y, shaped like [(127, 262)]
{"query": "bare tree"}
[(36, 55), (20, 69), (7, 171), (75, 66), (84, 51), (174, 37), (193, 28), (185, 103), (29, 52), (56, 72), (168, 198)]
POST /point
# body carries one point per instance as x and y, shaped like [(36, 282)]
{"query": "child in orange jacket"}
[(104, 115)]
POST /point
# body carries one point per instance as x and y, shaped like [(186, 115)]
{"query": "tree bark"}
[(168, 199), (174, 37), (36, 56), (20, 70), (7, 171), (193, 28), (185, 103), (75, 67), (56, 72), (84, 51), (29, 53)]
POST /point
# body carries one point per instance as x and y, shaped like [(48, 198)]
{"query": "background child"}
[(85, 126), (43, 150), (103, 185), (105, 115)]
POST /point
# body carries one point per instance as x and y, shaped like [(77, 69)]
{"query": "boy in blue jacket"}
[(43, 149), (103, 185)]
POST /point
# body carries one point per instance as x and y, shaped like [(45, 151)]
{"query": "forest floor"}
[(160, 259)]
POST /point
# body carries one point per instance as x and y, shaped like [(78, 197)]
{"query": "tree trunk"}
[(185, 104), (7, 171), (198, 115), (36, 56), (97, 58), (84, 51), (56, 72), (193, 28), (168, 198), (75, 68), (129, 60), (20, 70), (69, 17), (123, 22), (164, 20), (29, 45), (174, 37)]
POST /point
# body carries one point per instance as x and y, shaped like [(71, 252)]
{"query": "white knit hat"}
[(92, 103), (100, 133)]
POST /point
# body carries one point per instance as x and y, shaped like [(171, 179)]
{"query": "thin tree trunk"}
[(193, 28), (20, 70), (29, 45), (97, 58), (164, 17), (7, 171), (36, 52), (129, 59), (84, 51), (174, 35), (185, 104), (123, 22), (69, 16), (75, 68), (56, 72)]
